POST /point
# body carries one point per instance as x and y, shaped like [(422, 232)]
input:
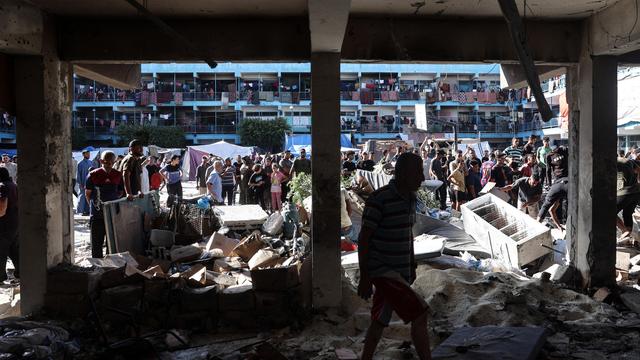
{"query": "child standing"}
[(277, 178)]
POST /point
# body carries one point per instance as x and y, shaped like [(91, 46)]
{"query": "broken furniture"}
[(509, 234), (127, 222)]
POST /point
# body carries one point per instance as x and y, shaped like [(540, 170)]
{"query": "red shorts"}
[(392, 295)]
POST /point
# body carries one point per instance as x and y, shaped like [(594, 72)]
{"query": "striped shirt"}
[(229, 176), (391, 216), (515, 154)]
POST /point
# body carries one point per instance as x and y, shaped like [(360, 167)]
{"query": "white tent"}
[(295, 149), (221, 148), (629, 98)]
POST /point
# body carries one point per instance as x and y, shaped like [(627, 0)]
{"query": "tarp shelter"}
[(295, 149), (194, 154), (305, 141), (479, 148)]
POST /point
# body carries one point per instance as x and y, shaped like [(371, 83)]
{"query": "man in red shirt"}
[(103, 184)]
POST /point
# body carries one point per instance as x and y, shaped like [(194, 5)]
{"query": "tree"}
[(266, 134), (163, 136)]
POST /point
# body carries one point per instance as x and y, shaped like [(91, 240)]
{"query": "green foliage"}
[(163, 136), (266, 134), (167, 137), (300, 188), (78, 138), (428, 199), (345, 182)]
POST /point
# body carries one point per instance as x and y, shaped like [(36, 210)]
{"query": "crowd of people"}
[(522, 172), (259, 179)]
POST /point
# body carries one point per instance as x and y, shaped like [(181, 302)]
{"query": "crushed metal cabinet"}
[(242, 217), (509, 234)]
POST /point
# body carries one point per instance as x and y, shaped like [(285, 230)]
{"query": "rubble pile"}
[(237, 279), (34, 340)]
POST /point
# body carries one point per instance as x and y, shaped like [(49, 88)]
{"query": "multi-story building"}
[(377, 100)]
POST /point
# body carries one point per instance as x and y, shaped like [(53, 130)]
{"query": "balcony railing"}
[(144, 98)]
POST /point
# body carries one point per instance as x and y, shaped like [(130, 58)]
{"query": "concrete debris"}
[(21, 339), (185, 253), (563, 274), (635, 260), (274, 224), (631, 299)]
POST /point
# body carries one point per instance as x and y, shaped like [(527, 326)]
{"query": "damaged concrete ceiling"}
[(554, 9)]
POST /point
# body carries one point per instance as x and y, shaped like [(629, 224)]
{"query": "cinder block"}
[(72, 282), (67, 305), (239, 297), (201, 299)]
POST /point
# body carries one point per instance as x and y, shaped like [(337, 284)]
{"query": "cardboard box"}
[(219, 241), (264, 258), (249, 246), (276, 279)]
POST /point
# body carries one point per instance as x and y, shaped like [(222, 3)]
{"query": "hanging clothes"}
[(384, 96), (224, 97), (355, 96), (393, 96), (232, 93), (366, 97)]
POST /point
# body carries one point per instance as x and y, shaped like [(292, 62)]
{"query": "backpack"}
[(486, 172)]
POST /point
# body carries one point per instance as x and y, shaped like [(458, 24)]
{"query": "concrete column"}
[(593, 142), (325, 132), (43, 106)]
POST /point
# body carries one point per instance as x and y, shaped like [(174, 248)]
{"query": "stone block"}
[(271, 302), (72, 282), (67, 305), (199, 300), (239, 298)]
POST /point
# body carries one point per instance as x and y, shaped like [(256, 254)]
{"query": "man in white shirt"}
[(214, 183)]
